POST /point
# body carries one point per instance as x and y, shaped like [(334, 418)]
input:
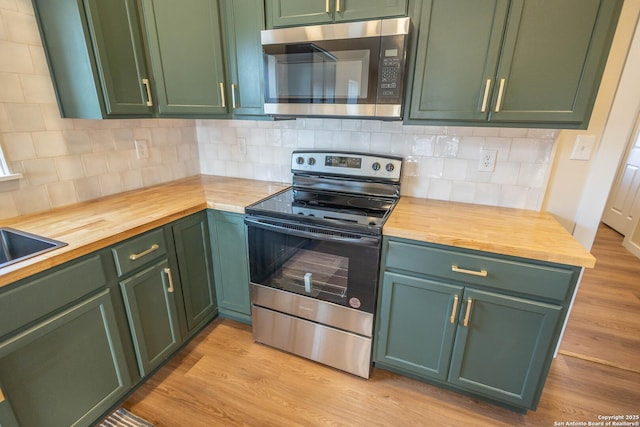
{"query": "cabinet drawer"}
[(31, 300), (139, 251), (545, 281)]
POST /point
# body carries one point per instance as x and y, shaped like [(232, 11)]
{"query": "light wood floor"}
[(223, 378)]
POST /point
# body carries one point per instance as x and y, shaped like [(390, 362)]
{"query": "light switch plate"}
[(142, 149), (583, 147)]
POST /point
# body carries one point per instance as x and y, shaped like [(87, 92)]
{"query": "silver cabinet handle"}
[(481, 273), (234, 105), (468, 312), (167, 271), (224, 101), (455, 309), (500, 94), (153, 247), (327, 6), (338, 6), (147, 86), (485, 99)]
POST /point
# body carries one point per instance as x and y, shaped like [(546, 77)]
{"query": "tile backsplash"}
[(440, 162)]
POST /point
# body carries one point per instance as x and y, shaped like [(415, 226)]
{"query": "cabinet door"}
[(243, 21), (284, 13), (503, 346), (117, 41), (457, 55), (66, 371), (193, 251), (352, 10), (186, 53), (417, 319), (552, 61), (151, 310), (231, 264)]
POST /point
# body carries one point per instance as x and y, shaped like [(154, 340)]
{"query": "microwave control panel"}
[(391, 69)]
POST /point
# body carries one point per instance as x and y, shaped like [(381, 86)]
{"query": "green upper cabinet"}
[(458, 51), (511, 62), (244, 19), (283, 13), (185, 47), (96, 57)]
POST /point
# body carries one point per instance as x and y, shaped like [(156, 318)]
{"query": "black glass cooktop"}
[(331, 208)]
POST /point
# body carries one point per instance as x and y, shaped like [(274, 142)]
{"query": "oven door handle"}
[(361, 241)]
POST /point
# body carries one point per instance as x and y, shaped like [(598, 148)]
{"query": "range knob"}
[(375, 166), (300, 160), (311, 161), (390, 167)]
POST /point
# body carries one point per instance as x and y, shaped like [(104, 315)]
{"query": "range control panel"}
[(361, 165)]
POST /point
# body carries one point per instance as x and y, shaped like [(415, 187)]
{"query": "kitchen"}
[(69, 161)]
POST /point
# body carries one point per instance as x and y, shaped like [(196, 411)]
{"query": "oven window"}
[(322, 72), (342, 273)]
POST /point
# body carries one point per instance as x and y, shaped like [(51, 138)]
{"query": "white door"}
[(623, 207)]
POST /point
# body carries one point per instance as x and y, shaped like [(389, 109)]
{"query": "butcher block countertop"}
[(506, 231), (96, 224)]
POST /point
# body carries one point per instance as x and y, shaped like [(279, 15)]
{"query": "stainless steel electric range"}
[(314, 254)]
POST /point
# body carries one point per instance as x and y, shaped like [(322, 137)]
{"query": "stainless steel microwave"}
[(351, 69)]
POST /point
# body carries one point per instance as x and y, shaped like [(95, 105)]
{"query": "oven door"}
[(318, 263)]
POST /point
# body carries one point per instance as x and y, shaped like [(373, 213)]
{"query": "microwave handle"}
[(361, 241)]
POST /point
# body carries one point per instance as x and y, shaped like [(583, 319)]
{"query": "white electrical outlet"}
[(583, 147), (487, 160), (142, 148), (242, 145)]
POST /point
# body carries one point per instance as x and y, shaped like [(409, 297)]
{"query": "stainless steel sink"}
[(16, 245)]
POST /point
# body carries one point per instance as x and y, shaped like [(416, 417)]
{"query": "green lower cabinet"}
[(231, 266), (151, 310), (65, 371), (416, 329), (193, 252), (473, 321), (502, 346)]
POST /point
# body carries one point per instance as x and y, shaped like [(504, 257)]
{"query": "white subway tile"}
[(69, 167), (464, 192), (455, 169), (18, 146), (31, 199), (8, 207), (10, 88), (49, 144), (40, 171), (25, 117), (110, 183), (87, 188), (38, 89), (15, 57), (62, 193), (95, 164), (440, 189)]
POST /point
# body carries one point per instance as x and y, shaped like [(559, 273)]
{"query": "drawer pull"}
[(1, 396), (153, 248), (147, 86), (234, 104), (327, 7), (481, 273), (500, 95), (468, 312), (222, 97), (454, 309), (167, 271), (485, 99), (338, 6)]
